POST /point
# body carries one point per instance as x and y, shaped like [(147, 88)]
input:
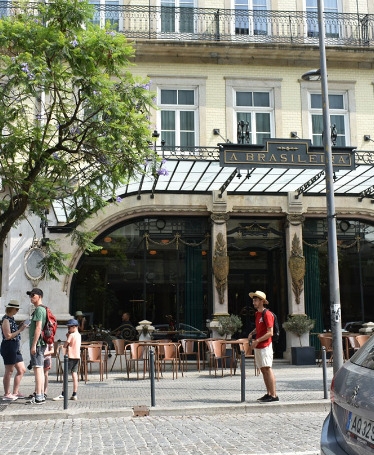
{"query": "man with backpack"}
[(37, 344), (262, 345)]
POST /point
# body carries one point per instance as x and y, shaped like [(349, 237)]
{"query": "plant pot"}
[(303, 355)]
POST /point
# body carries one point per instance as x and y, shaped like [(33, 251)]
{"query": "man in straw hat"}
[(262, 345)]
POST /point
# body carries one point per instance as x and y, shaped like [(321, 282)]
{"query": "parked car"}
[(182, 331), (349, 427)]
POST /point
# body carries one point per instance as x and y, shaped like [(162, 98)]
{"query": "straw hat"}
[(13, 304)]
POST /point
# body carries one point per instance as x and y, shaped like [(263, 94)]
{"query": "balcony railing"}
[(242, 26)]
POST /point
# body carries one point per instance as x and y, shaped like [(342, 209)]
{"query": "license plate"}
[(360, 428)]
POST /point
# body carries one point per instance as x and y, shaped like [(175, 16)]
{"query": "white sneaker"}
[(74, 398), (60, 397)]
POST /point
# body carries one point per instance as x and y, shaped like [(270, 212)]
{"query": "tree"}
[(74, 122)]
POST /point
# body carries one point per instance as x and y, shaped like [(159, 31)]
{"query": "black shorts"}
[(10, 352)]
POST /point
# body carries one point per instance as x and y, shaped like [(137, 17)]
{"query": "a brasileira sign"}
[(284, 153)]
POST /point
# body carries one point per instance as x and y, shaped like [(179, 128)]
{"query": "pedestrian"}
[(49, 350), (10, 351), (73, 347), (37, 345), (262, 345), (82, 321)]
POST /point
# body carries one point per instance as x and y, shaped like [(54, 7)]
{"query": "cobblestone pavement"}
[(194, 414), (289, 433)]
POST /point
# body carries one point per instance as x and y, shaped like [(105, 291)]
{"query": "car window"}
[(364, 357)]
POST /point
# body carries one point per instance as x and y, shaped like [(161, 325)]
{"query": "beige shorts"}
[(264, 356)]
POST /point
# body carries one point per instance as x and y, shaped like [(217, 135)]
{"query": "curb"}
[(242, 408)]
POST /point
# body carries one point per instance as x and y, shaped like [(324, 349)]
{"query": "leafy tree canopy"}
[(74, 121)]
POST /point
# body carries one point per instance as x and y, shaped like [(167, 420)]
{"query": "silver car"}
[(349, 428)]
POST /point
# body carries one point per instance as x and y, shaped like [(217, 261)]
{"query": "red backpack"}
[(50, 328)]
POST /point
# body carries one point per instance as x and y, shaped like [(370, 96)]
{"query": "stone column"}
[(220, 260), (295, 265)]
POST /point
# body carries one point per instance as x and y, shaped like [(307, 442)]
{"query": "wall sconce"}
[(152, 252), (107, 239), (367, 138), (203, 253), (164, 241), (253, 254), (294, 135), (104, 252), (217, 132)]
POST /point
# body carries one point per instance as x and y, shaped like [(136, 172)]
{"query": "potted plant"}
[(300, 324), (228, 325)]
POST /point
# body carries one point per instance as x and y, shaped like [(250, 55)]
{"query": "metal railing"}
[(242, 26)]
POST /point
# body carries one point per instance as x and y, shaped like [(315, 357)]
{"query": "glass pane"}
[(241, 17), (336, 101), (186, 97), (260, 137), (246, 118), (317, 127), (167, 19), (186, 20), (263, 122), (167, 120), (315, 101), (169, 138), (338, 120), (187, 120), (261, 99), (187, 139), (244, 98), (168, 97)]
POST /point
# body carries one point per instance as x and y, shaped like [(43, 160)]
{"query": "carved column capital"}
[(219, 218)]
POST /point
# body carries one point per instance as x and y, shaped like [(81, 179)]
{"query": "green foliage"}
[(299, 324), (74, 122), (229, 324)]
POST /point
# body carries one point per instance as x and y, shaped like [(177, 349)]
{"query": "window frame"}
[(273, 86)]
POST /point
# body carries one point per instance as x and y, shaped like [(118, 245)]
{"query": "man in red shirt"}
[(262, 345)]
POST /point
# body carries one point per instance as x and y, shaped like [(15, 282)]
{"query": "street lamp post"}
[(334, 290)]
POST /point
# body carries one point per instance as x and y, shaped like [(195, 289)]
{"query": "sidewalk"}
[(300, 388)]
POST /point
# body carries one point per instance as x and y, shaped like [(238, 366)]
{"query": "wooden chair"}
[(135, 353), (248, 352), (119, 346), (354, 344), (218, 356), (362, 339), (170, 353), (188, 350), (94, 355), (326, 342), (57, 345)]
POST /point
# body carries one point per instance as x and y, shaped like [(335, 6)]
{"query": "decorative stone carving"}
[(220, 266), (295, 219), (219, 218), (296, 264)]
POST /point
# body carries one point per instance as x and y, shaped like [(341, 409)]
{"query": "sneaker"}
[(35, 401), (45, 396), (265, 397), (60, 397), (31, 396), (9, 397), (19, 395), (74, 398), (269, 399)]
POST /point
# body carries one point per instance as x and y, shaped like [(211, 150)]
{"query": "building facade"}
[(191, 241)]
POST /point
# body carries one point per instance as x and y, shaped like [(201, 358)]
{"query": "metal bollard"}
[(66, 379), (152, 375), (242, 375), (324, 369)]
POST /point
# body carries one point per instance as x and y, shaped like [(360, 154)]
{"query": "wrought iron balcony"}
[(228, 25), (243, 26)]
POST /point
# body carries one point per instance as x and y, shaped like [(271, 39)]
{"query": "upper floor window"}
[(177, 16), (178, 114), (250, 17), (255, 109), (106, 11), (331, 8), (338, 117)]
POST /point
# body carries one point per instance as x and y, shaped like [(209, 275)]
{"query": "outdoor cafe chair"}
[(188, 350), (248, 352), (135, 353), (362, 339), (93, 355), (170, 354), (119, 346)]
